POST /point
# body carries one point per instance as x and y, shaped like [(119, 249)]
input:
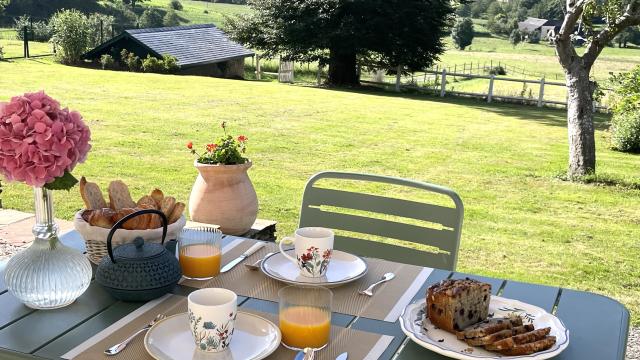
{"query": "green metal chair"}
[(445, 237)]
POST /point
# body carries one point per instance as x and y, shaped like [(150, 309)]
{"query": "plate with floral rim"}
[(254, 338), (416, 325), (343, 268)]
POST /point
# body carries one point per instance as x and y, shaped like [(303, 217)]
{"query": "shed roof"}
[(191, 45), (531, 24)]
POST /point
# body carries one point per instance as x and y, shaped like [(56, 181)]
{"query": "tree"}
[(151, 18), (617, 15), (70, 35), (629, 35), (3, 5), (171, 18), (462, 32), (515, 37), (381, 34)]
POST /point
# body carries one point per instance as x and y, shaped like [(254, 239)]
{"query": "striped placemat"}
[(387, 303), (359, 344)]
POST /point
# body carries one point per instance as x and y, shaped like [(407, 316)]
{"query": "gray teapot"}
[(139, 271)]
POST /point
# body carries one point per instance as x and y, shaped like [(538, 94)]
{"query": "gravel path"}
[(633, 344)]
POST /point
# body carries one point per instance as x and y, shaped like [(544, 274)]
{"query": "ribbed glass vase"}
[(48, 274)]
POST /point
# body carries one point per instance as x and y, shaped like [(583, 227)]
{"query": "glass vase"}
[(48, 274)]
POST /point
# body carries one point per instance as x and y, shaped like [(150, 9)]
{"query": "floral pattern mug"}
[(212, 314), (313, 249)]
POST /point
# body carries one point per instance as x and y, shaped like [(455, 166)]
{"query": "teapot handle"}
[(119, 223)]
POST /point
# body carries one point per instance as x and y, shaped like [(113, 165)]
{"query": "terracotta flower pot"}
[(224, 195)]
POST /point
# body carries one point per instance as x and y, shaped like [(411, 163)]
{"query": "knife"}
[(343, 356), (245, 255)]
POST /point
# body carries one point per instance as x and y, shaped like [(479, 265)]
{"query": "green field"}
[(193, 12), (521, 221)]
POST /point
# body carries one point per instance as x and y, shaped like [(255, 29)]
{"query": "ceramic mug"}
[(212, 313), (313, 248)]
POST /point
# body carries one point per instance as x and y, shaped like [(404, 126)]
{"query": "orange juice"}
[(200, 260), (305, 326)]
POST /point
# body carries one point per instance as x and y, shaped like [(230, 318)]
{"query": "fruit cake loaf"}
[(453, 305)]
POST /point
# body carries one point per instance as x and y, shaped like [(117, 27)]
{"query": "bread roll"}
[(158, 196), (147, 202), (131, 224), (168, 203), (178, 209)]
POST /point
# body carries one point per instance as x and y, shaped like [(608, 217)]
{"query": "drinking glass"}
[(305, 317), (199, 252)]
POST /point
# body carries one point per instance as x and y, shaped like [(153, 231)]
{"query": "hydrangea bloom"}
[(39, 141)]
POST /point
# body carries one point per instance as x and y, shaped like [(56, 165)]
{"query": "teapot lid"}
[(138, 250)]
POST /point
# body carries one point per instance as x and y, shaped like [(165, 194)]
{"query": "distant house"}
[(200, 49), (544, 26)]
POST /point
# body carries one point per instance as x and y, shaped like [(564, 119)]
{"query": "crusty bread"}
[(119, 196), (147, 202), (168, 203), (531, 347), (91, 195), (102, 218), (453, 305), (131, 224), (178, 209), (520, 339), (158, 196)]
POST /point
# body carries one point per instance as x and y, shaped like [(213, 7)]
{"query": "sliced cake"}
[(453, 305)]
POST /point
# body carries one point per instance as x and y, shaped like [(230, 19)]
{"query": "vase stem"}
[(45, 228)]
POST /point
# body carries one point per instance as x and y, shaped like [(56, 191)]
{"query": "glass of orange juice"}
[(305, 317), (199, 252)]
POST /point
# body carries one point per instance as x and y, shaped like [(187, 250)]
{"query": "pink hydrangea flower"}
[(39, 141)]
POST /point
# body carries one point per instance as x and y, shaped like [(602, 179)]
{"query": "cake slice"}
[(453, 305)]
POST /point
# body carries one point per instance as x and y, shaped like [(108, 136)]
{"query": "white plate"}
[(342, 269), (253, 338), (447, 344)]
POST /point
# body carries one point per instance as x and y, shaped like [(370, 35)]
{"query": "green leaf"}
[(64, 182)]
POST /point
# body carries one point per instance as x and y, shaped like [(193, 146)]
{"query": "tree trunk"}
[(582, 146), (342, 69)]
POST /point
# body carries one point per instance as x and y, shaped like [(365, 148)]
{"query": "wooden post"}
[(455, 71), (464, 68), (101, 31), (443, 83), (25, 40), (319, 75), (258, 71), (490, 95), (398, 77), (541, 93)]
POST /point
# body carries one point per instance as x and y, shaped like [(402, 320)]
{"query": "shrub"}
[(206, 11), (152, 65), (497, 70), (175, 5), (625, 131), (38, 30), (70, 35), (95, 21), (130, 60), (462, 33), (171, 19), (515, 37), (533, 37), (106, 61), (170, 64), (151, 18)]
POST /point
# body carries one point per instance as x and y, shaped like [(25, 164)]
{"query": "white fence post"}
[(541, 94), (398, 77), (490, 95), (258, 72), (443, 83)]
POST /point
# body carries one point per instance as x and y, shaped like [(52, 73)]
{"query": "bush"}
[(206, 11), (625, 131), (70, 35), (38, 30), (94, 22), (533, 37), (106, 61), (462, 33), (151, 18), (130, 60), (497, 70), (175, 5), (170, 64), (152, 65), (515, 37), (171, 19)]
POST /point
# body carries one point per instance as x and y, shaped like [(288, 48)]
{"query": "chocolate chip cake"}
[(453, 305)]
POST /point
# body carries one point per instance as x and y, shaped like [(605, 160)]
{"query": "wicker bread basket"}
[(95, 237)]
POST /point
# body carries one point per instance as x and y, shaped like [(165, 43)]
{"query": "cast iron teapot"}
[(139, 271)]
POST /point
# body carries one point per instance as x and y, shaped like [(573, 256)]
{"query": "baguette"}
[(531, 347), (91, 195), (516, 340), (119, 196), (147, 202), (503, 334)]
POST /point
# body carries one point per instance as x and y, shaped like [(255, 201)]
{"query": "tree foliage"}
[(171, 18), (374, 33), (151, 18), (462, 33), (70, 35)]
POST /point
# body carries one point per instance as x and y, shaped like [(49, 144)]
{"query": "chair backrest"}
[(318, 205)]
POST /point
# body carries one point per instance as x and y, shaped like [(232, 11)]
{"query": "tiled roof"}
[(191, 45)]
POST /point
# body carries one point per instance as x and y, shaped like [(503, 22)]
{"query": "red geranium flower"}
[(211, 147), (242, 138), (189, 145)]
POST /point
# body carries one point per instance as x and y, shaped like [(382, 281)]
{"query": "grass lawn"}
[(521, 222), (193, 12)]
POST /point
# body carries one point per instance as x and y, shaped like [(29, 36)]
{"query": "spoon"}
[(369, 291), (256, 265)]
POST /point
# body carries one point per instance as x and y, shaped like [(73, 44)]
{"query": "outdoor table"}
[(598, 325)]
